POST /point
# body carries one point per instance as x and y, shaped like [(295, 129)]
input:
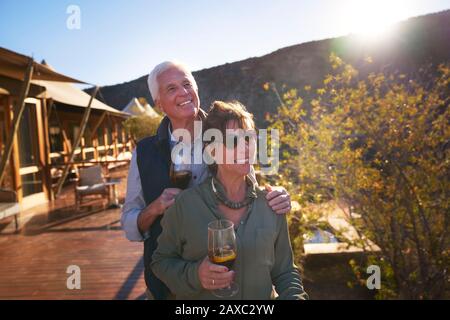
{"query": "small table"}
[(114, 200)]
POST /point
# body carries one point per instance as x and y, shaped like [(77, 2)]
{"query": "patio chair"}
[(9, 205), (91, 182)]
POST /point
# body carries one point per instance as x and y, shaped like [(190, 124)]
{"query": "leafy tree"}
[(380, 145)]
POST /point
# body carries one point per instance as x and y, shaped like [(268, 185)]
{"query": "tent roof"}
[(150, 111), (13, 65), (134, 107), (69, 94), (57, 86)]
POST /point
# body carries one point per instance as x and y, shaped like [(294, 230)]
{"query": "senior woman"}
[(264, 256)]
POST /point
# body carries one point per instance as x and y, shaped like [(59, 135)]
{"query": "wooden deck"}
[(53, 236)]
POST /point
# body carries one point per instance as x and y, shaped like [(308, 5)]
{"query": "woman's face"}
[(238, 150)]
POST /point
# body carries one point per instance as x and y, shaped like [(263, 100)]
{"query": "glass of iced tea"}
[(180, 175), (222, 250), (180, 171)]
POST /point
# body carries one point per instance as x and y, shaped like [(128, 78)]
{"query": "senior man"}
[(149, 190)]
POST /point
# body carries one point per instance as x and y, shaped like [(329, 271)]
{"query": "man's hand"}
[(165, 200), (212, 276), (156, 208), (279, 199)]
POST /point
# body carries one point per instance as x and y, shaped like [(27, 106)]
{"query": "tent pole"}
[(17, 117), (83, 125), (47, 148), (95, 135), (99, 122), (49, 109)]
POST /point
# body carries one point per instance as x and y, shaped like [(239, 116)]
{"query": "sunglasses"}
[(232, 140)]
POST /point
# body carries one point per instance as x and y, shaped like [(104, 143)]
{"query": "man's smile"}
[(184, 103)]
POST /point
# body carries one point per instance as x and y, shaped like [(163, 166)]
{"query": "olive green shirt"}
[(264, 253)]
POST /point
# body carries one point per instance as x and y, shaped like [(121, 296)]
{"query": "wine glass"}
[(180, 171), (222, 250)]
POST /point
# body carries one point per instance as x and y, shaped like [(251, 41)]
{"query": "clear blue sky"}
[(121, 40)]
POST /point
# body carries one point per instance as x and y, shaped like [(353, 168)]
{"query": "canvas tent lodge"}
[(135, 108), (53, 114)]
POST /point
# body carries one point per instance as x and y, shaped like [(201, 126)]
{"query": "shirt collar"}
[(251, 190), (172, 137), (197, 138), (163, 135)]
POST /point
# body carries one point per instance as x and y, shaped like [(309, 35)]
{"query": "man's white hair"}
[(152, 79)]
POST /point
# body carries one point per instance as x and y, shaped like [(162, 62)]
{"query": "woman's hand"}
[(279, 199), (213, 276)]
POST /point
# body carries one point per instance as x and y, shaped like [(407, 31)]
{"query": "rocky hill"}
[(414, 42)]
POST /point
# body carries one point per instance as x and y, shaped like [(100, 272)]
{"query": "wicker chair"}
[(91, 182)]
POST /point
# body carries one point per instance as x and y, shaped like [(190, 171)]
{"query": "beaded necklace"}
[(228, 203)]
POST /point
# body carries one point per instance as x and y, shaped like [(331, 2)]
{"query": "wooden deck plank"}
[(33, 264)]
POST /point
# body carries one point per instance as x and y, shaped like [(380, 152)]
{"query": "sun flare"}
[(372, 18)]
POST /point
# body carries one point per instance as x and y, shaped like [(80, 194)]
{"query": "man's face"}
[(177, 95)]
